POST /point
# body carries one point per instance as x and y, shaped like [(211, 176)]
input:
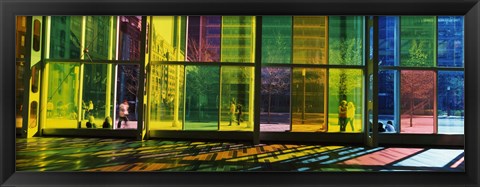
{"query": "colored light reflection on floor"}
[(94, 154)]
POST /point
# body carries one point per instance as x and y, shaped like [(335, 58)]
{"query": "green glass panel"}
[(202, 97), (237, 84), (345, 86), (97, 36), (308, 100), (310, 39), (276, 39), (238, 39), (94, 94), (418, 41), (62, 95), (66, 37), (166, 97), (168, 38), (345, 41)]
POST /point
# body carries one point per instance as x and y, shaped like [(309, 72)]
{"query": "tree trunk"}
[(411, 109)]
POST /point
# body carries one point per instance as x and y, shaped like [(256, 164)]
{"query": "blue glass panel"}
[(450, 41), (386, 97), (388, 40), (451, 101)]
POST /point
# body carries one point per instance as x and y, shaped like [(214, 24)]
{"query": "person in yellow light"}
[(342, 115), (351, 114), (232, 112)]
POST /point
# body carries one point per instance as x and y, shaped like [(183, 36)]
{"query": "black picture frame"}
[(11, 8)]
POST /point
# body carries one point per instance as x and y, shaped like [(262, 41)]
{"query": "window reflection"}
[(417, 101), (62, 95), (202, 97), (418, 41), (345, 100), (275, 107), (309, 39), (236, 98), (451, 102), (167, 97), (238, 39), (276, 39)]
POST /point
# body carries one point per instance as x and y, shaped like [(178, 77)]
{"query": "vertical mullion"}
[(258, 73), (141, 78), (326, 90), (291, 72), (435, 82), (375, 80), (396, 81)]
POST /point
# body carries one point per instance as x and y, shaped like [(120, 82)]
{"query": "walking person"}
[(232, 112), (342, 115), (239, 113), (123, 113), (351, 114)]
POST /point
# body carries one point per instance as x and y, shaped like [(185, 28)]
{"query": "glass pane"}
[(387, 102), (345, 41), (94, 95), (308, 100), (202, 98), (237, 98), (417, 101), (65, 37), (129, 37), (126, 103), (62, 95), (97, 33), (451, 102), (166, 97), (450, 41), (418, 41), (276, 39), (345, 100), (275, 107), (388, 40), (204, 38), (310, 39), (238, 39), (168, 37)]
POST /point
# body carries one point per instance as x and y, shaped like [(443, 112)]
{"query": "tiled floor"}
[(94, 154)]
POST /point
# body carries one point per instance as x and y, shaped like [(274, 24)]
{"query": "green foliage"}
[(417, 54), (345, 52)]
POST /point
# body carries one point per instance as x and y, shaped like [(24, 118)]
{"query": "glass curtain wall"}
[(201, 75), (421, 74), (191, 89), (311, 88), (82, 90)]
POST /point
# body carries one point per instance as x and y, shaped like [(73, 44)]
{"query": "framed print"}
[(236, 93)]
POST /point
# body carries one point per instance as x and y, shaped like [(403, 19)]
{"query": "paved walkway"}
[(94, 154)]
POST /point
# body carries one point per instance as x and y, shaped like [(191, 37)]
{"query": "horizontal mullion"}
[(203, 63), (422, 68), (92, 62), (314, 66)]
